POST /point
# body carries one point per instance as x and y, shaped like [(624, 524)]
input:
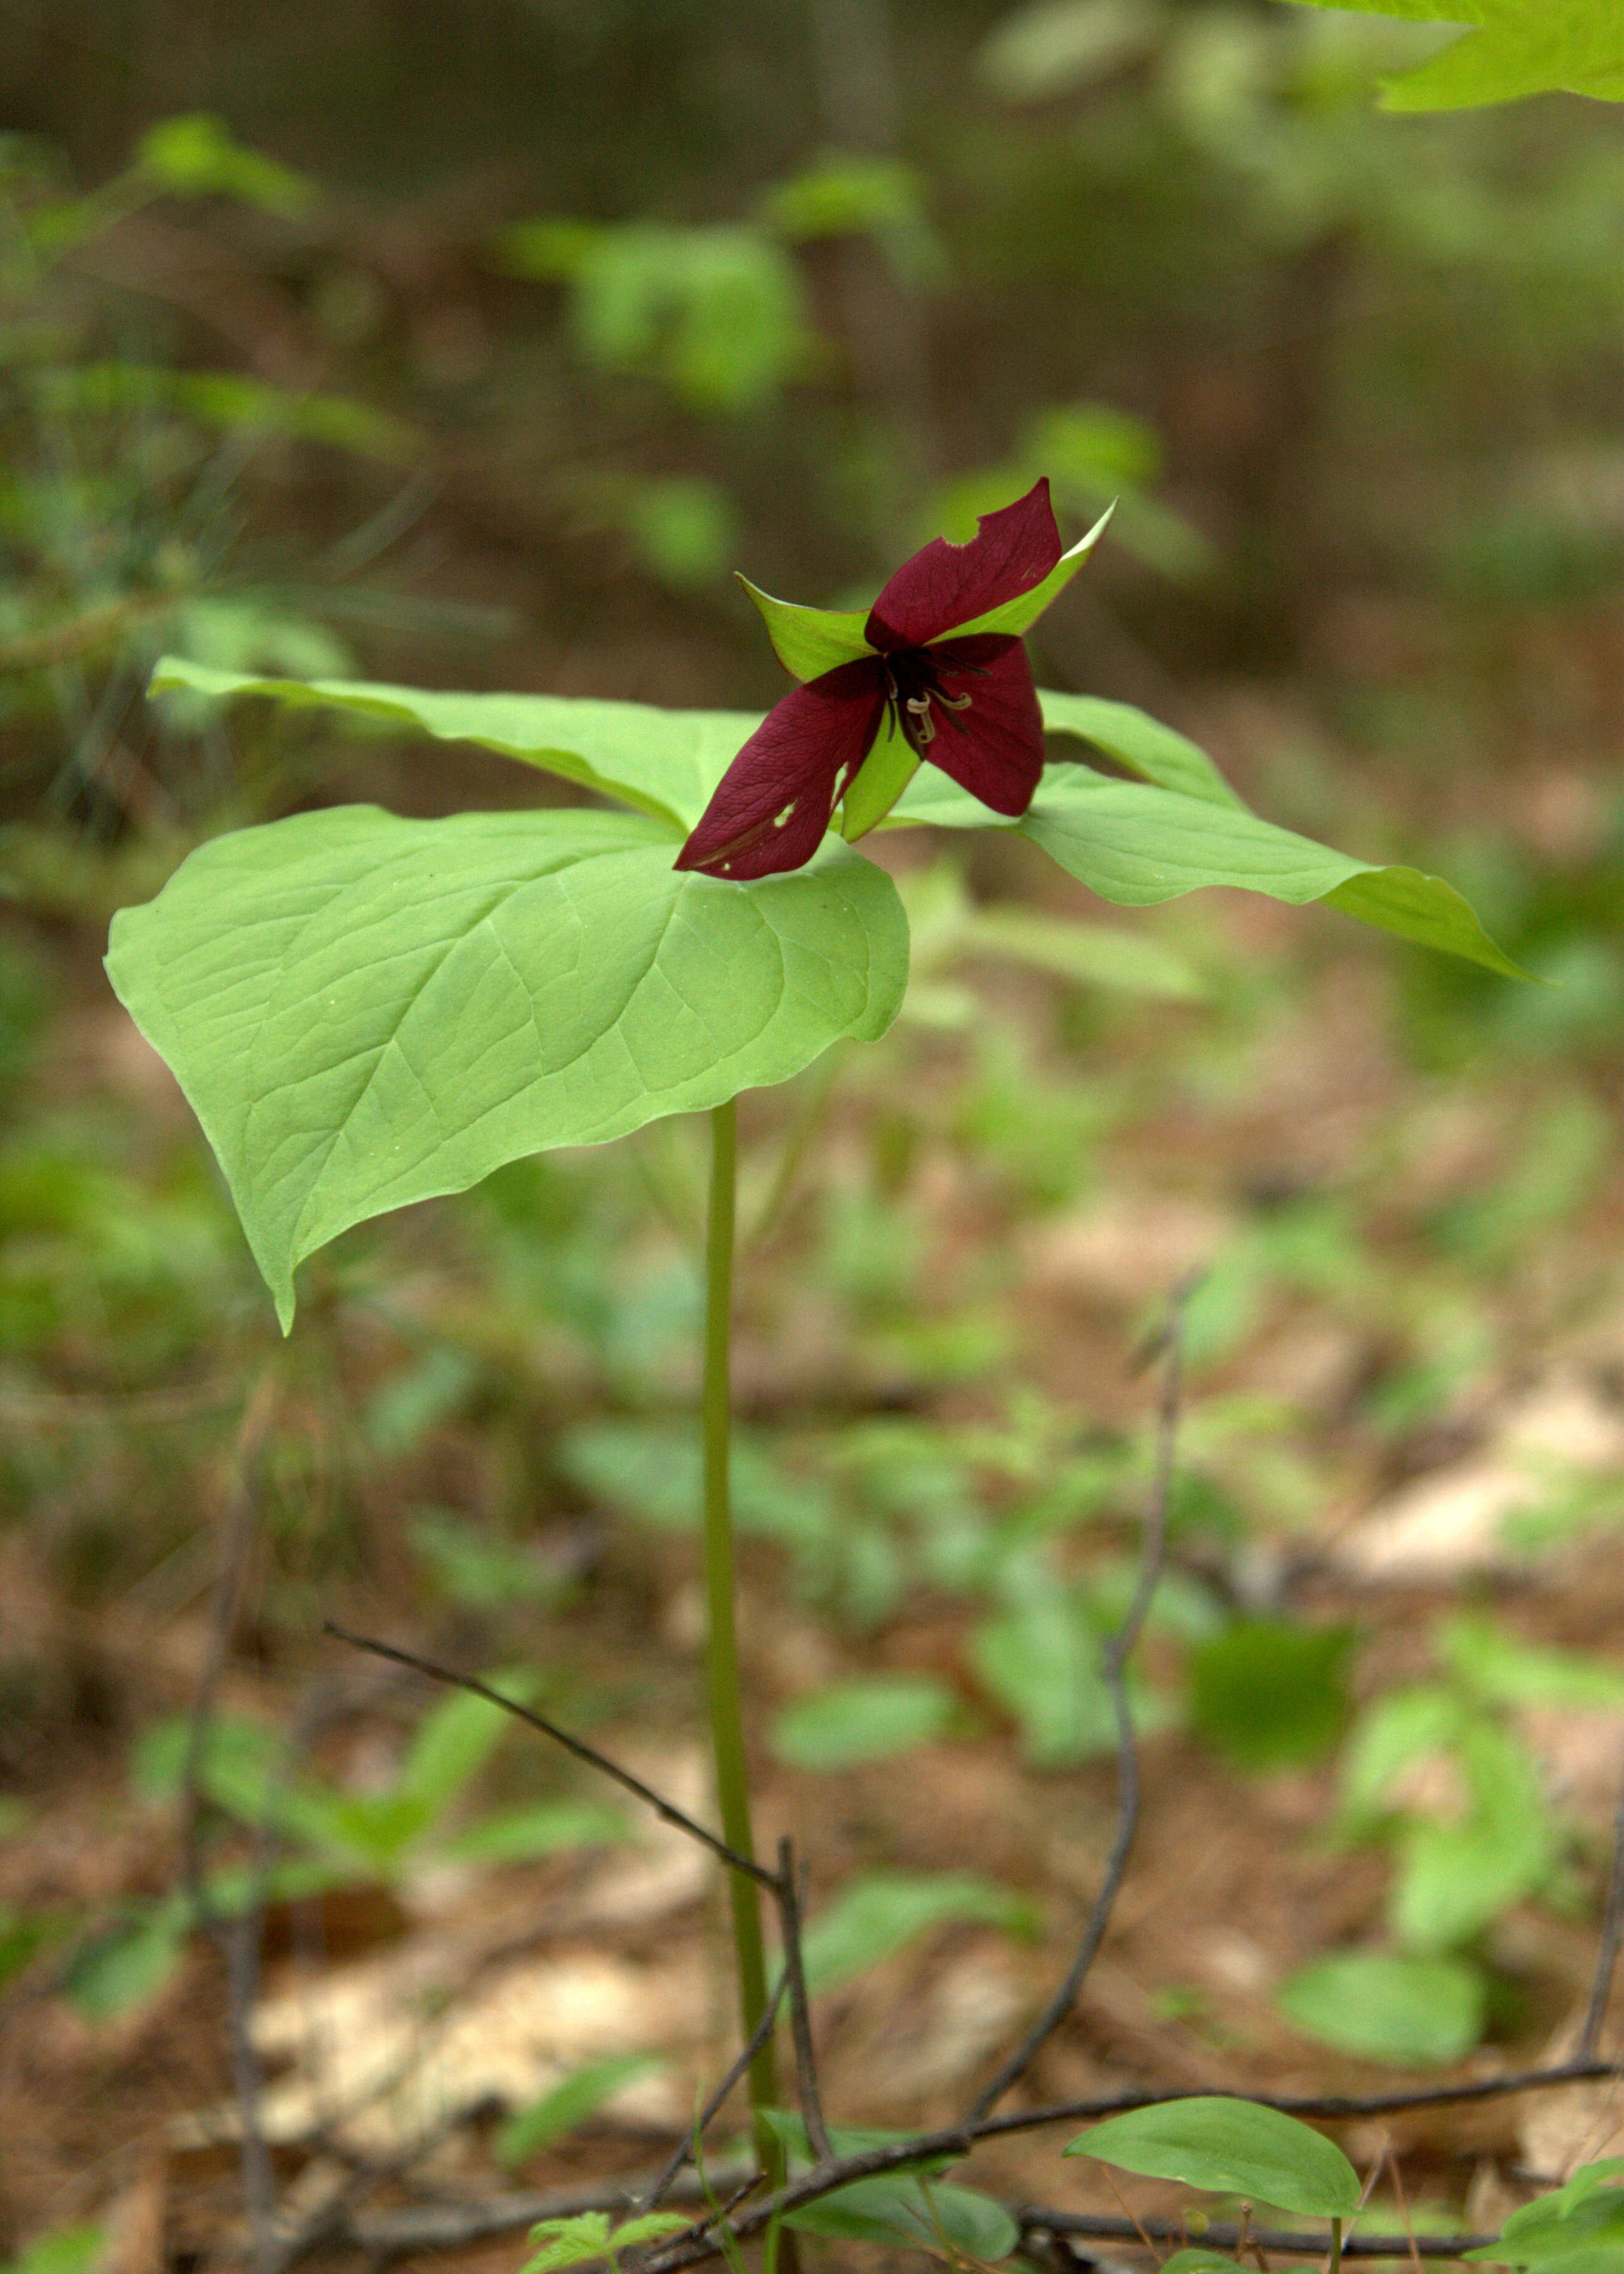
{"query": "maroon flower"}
[(960, 697)]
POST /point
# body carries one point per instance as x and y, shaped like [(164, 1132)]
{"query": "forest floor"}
[(1402, 1438)]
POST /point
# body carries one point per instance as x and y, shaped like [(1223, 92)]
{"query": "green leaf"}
[(1572, 2233), (454, 1741), (913, 2214), (1454, 1879), (198, 156), (366, 1011), (225, 398), (129, 1963), (64, 2250), (882, 1912), (1394, 1731), (1518, 48), (844, 2139), (1511, 1673), (663, 763), (569, 2103), (1384, 2006), (1269, 1694), (1232, 2146), (1040, 1659), (1139, 743), (1092, 955), (568, 2242), (811, 641), (520, 1835), (858, 1722), (1139, 846)]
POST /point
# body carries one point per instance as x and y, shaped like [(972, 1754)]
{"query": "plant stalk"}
[(733, 1788)]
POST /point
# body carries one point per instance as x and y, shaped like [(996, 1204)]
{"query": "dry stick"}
[(800, 2011), (959, 2139), (453, 2226), (1611, 1934), (1038, 2219), (715, 2214), (685, 2146), (1403, 2211), (1118, 1652), (235, 1938), (450, 2226), (590, 1754)]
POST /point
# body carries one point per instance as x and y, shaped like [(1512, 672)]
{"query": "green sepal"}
[(1020, 613), (890, 766), (811, 641)]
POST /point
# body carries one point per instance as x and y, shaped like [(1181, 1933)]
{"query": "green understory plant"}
[(366, 1011), (1440, 1775)]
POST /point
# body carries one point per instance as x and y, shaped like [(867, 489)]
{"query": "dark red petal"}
[(773, 805), (948, 585), (994, 749)]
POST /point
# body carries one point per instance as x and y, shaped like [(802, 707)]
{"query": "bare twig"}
[(685, 2146), (665, 1809), (1329, 2107), (959, 2139), (1611, 1934), (715, 2214), (236, 1936), (452, 2225), (1035, 2219), (800, 2010), (1114, 1667)]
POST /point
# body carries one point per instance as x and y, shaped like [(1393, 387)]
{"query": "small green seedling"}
[(586, 2240)]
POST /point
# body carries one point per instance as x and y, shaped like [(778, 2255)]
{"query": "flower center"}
[(913, 686)]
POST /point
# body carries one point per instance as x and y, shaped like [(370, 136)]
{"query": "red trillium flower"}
[(928, 667)]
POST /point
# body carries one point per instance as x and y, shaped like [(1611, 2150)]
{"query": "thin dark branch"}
[(715, 2214), (236, 1936), (959, 2139), (667, 1809), (800, 2010), (1611, 1934), (1114, 1667), (1330, 2107), (453, 2226), (1034, 2218), (447, 2226), (685, 2146)]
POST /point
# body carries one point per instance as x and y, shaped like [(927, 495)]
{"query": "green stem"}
[(732, 1787), (1334, 2263)]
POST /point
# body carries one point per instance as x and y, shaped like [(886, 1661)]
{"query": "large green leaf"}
[(1142, 744), (895, 2210), (366, 1011), (1233, 2146), (1137, 844), (1517, 47), (664, 762)]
